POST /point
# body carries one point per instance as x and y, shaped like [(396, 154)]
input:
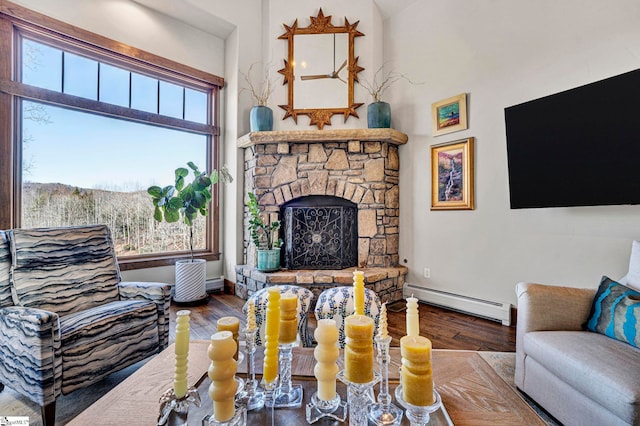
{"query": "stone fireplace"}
[(336, 193)]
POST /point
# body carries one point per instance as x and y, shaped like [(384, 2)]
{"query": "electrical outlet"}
[(427, 272)]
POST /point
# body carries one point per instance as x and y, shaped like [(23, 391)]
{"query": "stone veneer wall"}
[(360, 165)]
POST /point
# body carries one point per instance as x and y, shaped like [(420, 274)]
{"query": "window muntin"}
[(54, 69), (48, 67)]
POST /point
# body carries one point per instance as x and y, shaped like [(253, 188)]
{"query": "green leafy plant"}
[(262, 234), (186, 201)]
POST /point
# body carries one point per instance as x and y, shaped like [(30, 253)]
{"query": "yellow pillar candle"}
[(358, 350), (416, 374), (182, 353), (412, 317), (251, 316), (272, 329), (326, 354), (383, 333), (288, 319), (231, 324), (221, 371), (358, 292)]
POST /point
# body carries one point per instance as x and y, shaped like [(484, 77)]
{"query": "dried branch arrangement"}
[(261, 90), (381, 82)]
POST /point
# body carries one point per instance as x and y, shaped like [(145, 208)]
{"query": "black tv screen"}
[(580, 147)]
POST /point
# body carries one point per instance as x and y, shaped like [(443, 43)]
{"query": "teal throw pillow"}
[(615, 312)]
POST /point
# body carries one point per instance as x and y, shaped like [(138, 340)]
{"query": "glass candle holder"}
[(173, 410), (384, 412), (359, 396), (270, 396), (252, 396), (269, 390), (287, 394), (418, 415), (238, 419), (318, 409)]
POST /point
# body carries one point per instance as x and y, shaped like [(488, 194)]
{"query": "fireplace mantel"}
[(310, 136)]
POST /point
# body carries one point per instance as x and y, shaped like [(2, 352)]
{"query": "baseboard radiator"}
[(216, 284), (495, 311)]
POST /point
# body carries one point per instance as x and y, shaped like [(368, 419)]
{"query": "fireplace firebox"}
[(320, 232)]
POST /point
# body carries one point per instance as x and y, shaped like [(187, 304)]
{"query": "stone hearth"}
[(386, 282), (359, 165)]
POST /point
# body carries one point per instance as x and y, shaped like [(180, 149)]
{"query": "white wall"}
[(243, 47), (501, 53)]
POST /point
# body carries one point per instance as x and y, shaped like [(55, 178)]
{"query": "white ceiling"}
[(195, 16), (185, 11), (389, 8)]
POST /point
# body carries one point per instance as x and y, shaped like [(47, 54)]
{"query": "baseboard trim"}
[(495, 311)]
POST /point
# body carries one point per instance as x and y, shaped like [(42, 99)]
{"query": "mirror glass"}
[(320, 70)]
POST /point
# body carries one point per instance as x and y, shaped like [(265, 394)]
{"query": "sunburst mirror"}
[(320, 70)]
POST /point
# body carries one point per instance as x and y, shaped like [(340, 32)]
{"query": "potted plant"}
[(379, 112), (261, 116), (264, 236), (186, 202)]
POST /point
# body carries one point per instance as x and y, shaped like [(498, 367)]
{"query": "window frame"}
[(16, 22)]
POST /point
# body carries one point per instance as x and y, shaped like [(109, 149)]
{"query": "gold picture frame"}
[(449, 115), (452, 170)]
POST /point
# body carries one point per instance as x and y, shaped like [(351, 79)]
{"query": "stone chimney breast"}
[(358, 165)]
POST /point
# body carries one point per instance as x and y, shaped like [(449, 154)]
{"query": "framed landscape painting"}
[(452, 175), (449, 115)]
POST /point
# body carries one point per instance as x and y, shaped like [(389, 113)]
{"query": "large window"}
[(93, 129)]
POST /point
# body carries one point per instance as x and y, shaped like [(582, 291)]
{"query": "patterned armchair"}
[(66, 319)]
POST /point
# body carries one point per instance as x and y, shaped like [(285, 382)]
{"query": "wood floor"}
[(446, 329)]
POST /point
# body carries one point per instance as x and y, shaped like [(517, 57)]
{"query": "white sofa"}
[(580, 377)]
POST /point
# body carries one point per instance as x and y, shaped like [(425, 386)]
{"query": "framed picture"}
[(449, 115), (452, 175)]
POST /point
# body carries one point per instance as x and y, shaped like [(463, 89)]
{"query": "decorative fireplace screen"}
[(320, 232)]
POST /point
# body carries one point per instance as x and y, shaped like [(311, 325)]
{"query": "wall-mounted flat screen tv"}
[(580, 147)]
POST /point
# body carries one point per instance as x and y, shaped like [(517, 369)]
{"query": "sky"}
[(93, 151)]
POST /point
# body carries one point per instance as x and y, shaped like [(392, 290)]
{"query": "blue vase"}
[(379, 115), (261, 119), (269, 260)]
